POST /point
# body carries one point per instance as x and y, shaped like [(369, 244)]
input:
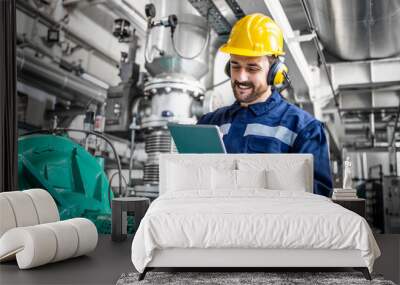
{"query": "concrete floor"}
[(110, 260), (103, 266), (389, 263)]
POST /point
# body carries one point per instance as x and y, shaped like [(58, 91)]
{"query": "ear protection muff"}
[(277, 73), (227, 69), (277, 76)]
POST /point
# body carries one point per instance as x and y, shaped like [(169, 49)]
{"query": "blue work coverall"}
[(275, 126)]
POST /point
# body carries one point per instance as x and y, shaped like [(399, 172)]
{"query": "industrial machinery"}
[(120, 98), (127, 68), (371, 190), (169, 86), (170, 92), (174, 88), (74, 178), (391, 204)]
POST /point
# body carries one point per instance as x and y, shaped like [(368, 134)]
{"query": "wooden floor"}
[(106, 264)]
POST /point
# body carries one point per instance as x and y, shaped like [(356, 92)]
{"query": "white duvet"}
[(250, 219)]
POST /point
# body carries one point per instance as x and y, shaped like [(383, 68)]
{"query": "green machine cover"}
[(74, 178)]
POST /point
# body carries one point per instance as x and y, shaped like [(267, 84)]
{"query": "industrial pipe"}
[(358, 30), (49, 22), (29, 66)]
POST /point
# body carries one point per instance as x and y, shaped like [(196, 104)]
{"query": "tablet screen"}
[(197, 138)]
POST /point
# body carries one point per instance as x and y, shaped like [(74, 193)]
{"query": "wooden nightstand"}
[(355, 205)]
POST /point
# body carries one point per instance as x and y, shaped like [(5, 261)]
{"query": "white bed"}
[(221, 211)]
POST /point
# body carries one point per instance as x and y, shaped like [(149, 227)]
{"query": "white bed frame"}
[(234, 257), (256, 258), (246, 257)]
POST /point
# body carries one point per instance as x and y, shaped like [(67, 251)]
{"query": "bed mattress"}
[(250, 219)]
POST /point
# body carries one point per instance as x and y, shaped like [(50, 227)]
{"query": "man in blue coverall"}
[(260, 120)]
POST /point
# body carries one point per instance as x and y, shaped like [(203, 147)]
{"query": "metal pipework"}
[(372, 128), (321, 55), (359, 29), (175, 83), (54, 79), (173, 93), (157, 142), (49, 22), (190, 26), (172, 97)]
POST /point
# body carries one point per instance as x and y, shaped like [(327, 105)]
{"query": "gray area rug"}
[(228, 278)]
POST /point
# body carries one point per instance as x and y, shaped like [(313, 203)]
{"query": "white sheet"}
[(255, 218)]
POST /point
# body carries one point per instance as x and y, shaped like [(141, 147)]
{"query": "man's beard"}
[(252, 96)]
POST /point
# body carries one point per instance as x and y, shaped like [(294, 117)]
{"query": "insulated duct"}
[(358, 29)]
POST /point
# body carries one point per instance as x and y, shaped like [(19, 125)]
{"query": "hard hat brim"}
[(246, 52)]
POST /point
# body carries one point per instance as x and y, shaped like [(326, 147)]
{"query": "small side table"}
[(121, 208), (355, 205)]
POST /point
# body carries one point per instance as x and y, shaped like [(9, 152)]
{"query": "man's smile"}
[(243, 87)]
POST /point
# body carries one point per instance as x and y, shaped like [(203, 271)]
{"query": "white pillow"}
[(183, 177), (223, 179), (251, 178), (278, 180)]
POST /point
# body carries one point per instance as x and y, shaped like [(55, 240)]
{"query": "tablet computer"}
[(197, 138)]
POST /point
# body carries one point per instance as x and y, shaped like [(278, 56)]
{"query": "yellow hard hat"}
[(255, 35)]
